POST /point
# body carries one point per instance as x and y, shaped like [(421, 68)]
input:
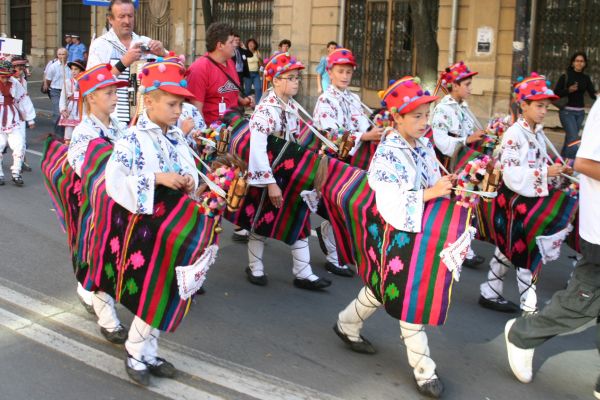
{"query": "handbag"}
[(561, 102)]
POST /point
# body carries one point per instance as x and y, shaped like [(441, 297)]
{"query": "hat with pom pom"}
[(167, 75), (534, 87), (405, 95), (97, 77), (278, 64), (456, 73), (340, 56), (6, 67)]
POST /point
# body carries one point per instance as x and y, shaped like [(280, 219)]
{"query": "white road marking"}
[(34, 152), (202, 365)]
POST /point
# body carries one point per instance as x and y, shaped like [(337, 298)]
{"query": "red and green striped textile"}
[(513, 222), (135, 255), (403, 269), (364, 154)]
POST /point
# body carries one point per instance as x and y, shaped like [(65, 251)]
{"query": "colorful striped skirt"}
[(403, 269)]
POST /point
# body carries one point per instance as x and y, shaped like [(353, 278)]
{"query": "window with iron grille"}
[(562, 28), (376, 40), (249, 19), (76, 19), (20, 22), (356, 19), (401, 43), (152, 20)]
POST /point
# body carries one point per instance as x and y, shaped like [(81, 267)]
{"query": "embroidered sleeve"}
[(23, 102), (77, 148), (262, 124), (444, 122), (392, 179), (132, 190), (521, 174), (326, 113)]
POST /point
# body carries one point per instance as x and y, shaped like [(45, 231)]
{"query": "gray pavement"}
[(240, 341)]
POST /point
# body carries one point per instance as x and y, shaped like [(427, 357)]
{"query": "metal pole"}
[(453, 28), (193, 35), (342, 20), (532, 27)]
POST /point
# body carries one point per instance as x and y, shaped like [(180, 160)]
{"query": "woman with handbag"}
[(571, 88)]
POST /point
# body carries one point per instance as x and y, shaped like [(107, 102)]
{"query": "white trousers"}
[(16, 141), (141, 344), (350, 322), (493, 287), (300, 257)]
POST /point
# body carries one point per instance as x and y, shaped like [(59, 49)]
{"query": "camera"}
[(145, 48)]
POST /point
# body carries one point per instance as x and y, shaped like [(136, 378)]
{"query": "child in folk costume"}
[(69, 101), (152, 153), (16, 109), (98, 90), (453, 123), (339, 108), (526, 173), (21, 66), (276, 114), (404, 175)]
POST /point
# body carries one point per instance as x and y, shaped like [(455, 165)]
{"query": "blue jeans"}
[(253, 80), (571, 120)]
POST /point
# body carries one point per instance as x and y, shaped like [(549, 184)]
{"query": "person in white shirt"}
[(57, 74), (579, 303)]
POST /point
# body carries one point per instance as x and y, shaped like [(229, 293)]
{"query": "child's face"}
[(413, 124), (462, 89), (75, 71), (103, 100), (164, 109), (4, 78), (536, 110), (341, 75), (287, 84)]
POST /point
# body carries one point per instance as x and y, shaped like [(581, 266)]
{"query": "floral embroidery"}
[(137, 259)]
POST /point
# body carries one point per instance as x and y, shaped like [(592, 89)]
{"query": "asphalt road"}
[(241, 341)]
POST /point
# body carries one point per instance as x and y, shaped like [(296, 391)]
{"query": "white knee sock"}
[(140, 346), (104, 306), (329, 240), (256, 247), (86, 295), (417, 350), (493, 287), (301, 260), (350, 320), (526, 290)]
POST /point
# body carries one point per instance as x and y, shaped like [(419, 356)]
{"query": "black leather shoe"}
[(473, 262), (321, 241), (118, 336), (256, 280), (432, 388), (240, 238), (334, 269), (363, 346), (162, 369), (18, 180), (88, 307), (499, 304), (307, 284), (141, 377)]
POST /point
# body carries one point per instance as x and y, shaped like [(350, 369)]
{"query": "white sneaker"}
[(520, 360)]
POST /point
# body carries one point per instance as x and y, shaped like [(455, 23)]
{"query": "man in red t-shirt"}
[(208, 78)]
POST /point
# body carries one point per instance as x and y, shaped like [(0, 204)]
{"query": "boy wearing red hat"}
[(404, 175), (69, 100), (98, 89), (153, 152), (337, 107), (453, 123), (277, 114), (525, 171), (15, 108)]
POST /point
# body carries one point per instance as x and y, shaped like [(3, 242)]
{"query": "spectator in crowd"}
[(285, 45), (254, 64), (77, 49), (323, 80), (573, 84), (240, 57), (56, 75), (68, 41)]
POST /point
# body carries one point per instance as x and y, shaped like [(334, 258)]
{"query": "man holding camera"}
[(121, 47)]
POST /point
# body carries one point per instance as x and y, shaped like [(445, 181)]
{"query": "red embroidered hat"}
[(404, 95), (278, 64), (534, 87), (97, 77), (166, 75), (340, 56), (456, 73)]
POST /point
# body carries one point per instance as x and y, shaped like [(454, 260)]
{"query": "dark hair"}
[(577, 54), (217, 32), (236, 35), (332, 43), (254, 41), (285, 41), (113, 2)]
